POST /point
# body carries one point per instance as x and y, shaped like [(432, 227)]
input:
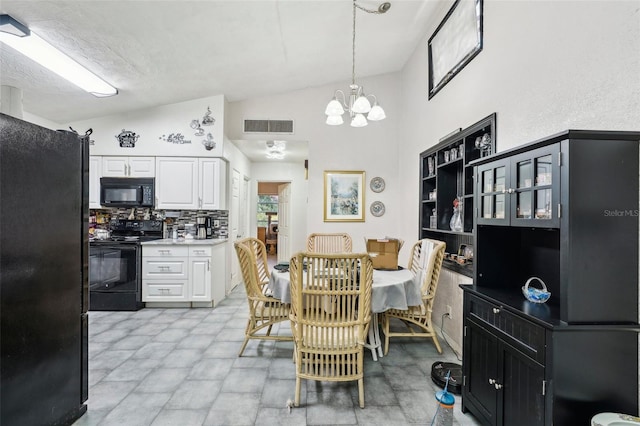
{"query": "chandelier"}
[(356, 102)]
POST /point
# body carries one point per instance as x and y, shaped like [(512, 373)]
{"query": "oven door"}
[(113, 268)]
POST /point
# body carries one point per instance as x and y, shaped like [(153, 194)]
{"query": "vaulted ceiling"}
[(161, 52)]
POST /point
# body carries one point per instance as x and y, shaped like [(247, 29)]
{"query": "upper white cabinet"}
[(95, 173), (212, 179), (190, 183), (117, 166)]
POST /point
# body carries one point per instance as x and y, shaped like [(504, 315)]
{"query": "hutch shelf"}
[(446, 175), (563, 209)]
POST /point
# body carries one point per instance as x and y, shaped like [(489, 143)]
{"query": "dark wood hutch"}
[(564, 209)]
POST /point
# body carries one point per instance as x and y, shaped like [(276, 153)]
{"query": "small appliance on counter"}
[(201, 222)]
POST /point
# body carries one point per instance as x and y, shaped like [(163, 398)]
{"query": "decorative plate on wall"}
[(377, 184), (377, 208)]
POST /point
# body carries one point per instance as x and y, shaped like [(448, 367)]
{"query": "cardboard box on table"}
[(384, 252)]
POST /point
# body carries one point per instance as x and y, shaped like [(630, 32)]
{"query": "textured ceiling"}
[(162, 52)]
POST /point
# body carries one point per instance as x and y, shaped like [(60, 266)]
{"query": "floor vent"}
[(268, 126)]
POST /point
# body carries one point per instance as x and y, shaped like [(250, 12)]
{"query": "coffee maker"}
[(201, 223)]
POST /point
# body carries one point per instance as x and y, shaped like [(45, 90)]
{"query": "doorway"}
[(270, 219)]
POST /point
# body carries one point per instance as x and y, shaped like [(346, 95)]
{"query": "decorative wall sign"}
[(127, 139), (343, 196), (177, 138), (456, 41), (377, 184), (208, 120), (209, 143)]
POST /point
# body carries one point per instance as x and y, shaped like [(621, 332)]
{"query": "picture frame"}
[(456, 41), (344, 196)]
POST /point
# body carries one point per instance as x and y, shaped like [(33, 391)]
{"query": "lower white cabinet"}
[(183, 273)]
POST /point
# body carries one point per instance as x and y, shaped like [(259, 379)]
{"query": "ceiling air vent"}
[(268, 126)]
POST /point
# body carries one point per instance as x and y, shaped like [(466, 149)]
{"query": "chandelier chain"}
[(353, 51)]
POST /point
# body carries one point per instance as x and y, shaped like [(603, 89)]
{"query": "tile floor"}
[(180, 367)]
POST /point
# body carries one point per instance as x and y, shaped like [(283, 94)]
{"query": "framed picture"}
[(456, 41), (343, 196)]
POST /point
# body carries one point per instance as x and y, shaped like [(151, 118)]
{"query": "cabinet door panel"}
[(492, 195), (522, 380), (177, 183), (200, 279), (209, 180), (480, 369), (142, 166), (535, 183), (95, 173), (115, 166)]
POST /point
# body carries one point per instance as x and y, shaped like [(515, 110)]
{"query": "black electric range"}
[(115, 265)]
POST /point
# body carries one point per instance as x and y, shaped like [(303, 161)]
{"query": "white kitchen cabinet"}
[(165, 274), (192, 273), (212, 183), (190, 183), (117, 166), (95, 173), (200, 270)]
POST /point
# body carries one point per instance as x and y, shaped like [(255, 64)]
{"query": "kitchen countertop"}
[(185, 242)]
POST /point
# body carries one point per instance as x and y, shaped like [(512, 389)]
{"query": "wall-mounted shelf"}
[(445, 174)]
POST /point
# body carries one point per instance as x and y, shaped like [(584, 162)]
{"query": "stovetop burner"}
[(133, 231)]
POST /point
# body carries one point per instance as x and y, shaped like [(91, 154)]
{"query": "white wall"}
[(373, 149), (546, 66), (152, 123)]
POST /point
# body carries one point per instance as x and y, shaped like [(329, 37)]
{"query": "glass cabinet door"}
[(493, 201), (534, 187)]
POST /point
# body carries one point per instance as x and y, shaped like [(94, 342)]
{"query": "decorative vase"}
[(456, 220)]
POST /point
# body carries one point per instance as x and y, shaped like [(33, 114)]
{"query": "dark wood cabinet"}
[(446, 175), (522, 190), (564, 209)]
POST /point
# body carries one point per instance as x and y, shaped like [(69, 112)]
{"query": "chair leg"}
[(361, 392), (435, 341), (385, 325), (298, 385), (244, 345)]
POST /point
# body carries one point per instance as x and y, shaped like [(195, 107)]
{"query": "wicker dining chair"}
[(329, 243), (264, 310), (426, 266), (330, 315)]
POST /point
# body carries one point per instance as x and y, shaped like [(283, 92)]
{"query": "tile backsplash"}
[(100, 218)]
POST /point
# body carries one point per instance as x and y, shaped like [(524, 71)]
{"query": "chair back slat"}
[(329, 243)]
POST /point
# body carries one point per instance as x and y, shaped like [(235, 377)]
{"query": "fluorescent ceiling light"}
[(18, 36)]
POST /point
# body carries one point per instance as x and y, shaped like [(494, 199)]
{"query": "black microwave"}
[(127, 192)]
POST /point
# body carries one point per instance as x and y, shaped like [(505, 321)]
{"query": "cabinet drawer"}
[(164, 291), (158, 268), (164, 251), (200, 251), (523, 334)]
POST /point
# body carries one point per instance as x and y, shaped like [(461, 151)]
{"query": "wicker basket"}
[(536, 295)]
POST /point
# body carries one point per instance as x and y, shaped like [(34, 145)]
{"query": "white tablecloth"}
[(390, 290)]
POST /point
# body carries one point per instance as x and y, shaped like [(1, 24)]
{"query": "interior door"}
[(284, 222), (234, 233)]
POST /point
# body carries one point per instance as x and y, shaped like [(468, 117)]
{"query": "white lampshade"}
[(361, 105), (334, 108), (334, 120), (376, 113), (359, 121)]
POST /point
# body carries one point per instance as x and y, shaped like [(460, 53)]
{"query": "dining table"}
[(391, 289)]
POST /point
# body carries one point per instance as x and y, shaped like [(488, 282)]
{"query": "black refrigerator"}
[(43, 274)]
